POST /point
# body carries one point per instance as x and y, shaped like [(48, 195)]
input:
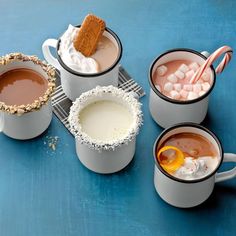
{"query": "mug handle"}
[(225, 175), (205, 53), (47, 53)]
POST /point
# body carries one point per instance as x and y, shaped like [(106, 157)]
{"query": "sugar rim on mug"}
[(120, 52), (80, 103), (192, 125), (37, 104), (171, 100)]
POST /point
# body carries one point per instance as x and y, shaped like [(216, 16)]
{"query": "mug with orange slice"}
[(187, 157)]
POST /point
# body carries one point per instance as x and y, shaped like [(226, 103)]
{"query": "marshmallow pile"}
[(178, 89)]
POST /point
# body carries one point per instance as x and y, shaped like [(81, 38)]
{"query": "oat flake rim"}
[(37, 104), (120, 94)]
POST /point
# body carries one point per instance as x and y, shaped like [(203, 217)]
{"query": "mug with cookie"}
[(87, 56)]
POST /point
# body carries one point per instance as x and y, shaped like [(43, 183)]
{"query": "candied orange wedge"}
[(173, 164)]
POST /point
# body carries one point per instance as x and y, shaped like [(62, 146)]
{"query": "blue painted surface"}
[(43, 192)]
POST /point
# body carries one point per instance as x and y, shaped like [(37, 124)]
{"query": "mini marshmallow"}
[(194, 66), (206, 86), (183, 94), (158, 87), (161, 70), (168, 87), (179, 74), (197, 88), (172, 78), (177, 87), (189, 75), (201, 93), (188, 87), (174, 94), (192, 95), (205, 76), (184, 68)]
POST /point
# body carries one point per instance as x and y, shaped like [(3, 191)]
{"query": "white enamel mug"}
[(189, 193), (106, 161), (166, 111), (99, 156), (75, 83), (30, 124)]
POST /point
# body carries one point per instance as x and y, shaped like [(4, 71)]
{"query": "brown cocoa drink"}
[(188, 156), (173, 79), (21, 86), (105, 54)]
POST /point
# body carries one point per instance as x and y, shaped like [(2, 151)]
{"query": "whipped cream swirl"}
[(196, 168), (71, 57)]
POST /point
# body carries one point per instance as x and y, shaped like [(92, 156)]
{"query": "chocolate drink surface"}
[(199, 156), (173, 79), (105, 54), (21, 86)]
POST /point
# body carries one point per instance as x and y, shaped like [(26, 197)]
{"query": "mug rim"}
[(41, 100), (67, 68), (157, 92), (197, 126), (112, 94)]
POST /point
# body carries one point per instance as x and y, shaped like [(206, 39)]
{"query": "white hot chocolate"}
[(106, 120)]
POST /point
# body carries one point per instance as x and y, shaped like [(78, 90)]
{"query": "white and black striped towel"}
[(61, 104)]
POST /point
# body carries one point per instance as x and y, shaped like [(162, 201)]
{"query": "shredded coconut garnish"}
[(108, 93), (36, 105)]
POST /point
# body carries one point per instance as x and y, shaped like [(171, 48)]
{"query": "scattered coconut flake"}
[(51, 142)]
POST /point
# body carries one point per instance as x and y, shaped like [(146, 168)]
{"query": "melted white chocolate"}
[(105, 120)]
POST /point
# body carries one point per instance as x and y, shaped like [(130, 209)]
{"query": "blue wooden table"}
[(45, 192)]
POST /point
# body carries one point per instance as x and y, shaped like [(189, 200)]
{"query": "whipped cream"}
[(196, 168), (71, 57)]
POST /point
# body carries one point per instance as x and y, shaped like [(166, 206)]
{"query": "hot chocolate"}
[(104, 57), (105, 54), (21, 86), (173, 79), (188, 156)]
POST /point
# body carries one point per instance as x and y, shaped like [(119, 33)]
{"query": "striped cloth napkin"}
[(61, 104)]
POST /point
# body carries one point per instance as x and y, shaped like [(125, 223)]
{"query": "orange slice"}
[(174, 164)]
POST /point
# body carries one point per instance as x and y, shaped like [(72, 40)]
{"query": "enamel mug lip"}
[(120, 52), (158, 93), (191, 125)]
